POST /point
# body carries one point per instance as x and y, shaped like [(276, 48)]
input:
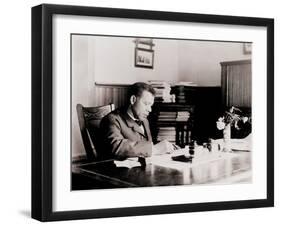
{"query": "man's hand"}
[(162, 147)]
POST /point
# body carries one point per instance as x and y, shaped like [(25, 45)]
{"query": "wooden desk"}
[(208, 168)]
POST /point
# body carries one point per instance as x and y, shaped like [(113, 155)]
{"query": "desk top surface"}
[(205, 168)]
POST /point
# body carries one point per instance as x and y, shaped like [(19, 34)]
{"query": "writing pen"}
[(176, 147)]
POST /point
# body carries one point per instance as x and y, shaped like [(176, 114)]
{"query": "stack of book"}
[(182, 116), (180, 89), (165, 116), (167, 133), (162, 90), (180, 95), (182, 83)]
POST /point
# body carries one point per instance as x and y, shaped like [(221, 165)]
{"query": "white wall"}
[(83, 66), (174, 60), (115, 61), (199, 61), (15, 114), (82, 88)]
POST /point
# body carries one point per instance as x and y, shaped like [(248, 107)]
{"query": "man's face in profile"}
[(141, 106)]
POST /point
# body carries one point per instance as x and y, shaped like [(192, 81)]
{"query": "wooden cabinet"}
[(204, 107), (172, 121)]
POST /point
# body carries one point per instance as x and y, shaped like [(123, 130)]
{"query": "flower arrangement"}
[(231, 117)]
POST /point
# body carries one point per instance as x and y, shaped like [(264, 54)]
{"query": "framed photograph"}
[(111, 138), (247, 48), (144, 58)]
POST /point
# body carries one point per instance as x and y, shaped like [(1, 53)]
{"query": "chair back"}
[(89, 121)]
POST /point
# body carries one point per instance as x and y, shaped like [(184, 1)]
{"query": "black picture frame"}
[(144, 58), (247, 48), (42, 106)]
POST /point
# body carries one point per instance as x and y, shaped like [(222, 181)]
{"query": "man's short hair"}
[(138, 88)]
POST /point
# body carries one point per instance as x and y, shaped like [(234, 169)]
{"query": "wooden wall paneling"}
[(236, 82), (111, 93)]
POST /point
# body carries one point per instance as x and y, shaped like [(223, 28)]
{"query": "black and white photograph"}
[(139, 112), (174, 112)]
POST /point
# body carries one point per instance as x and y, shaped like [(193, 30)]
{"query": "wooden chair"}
[(89, 121)]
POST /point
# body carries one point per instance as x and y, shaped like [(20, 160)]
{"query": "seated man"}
[(126, 132)]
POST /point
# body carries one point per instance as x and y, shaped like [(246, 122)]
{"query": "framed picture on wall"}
[(247, 48), (83, 62), (144, 58)]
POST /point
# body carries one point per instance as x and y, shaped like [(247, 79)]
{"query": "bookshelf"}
[(172, 121)]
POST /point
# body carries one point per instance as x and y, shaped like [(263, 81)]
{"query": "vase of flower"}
[(227, 137), (230, 118)]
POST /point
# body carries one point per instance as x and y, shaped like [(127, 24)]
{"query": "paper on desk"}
[(165, 160), (129, 163), (237, 144), (199, 158)]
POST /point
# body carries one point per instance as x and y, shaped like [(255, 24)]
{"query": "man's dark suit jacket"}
[(123, 137)]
